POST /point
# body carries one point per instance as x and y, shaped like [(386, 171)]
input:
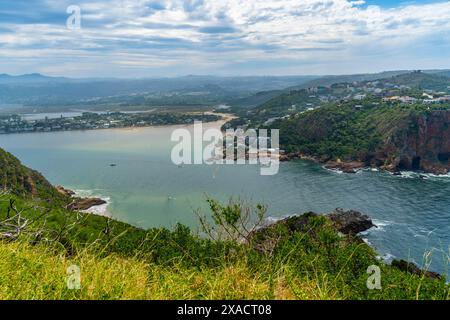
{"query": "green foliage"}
[(234, 221), (123, 262), (339, 131), (20, 180), (39, 239)]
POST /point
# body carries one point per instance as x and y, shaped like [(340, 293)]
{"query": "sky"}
[(155, 38)]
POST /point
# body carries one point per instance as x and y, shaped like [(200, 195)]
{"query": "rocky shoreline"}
[(344, 166), (354, 166), (78, 203), (348, 223)]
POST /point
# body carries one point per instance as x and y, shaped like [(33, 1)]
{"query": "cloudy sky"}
[(148, 38)]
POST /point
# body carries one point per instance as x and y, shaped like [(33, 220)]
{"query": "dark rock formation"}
[(350, 222), (77, 203), (81, 204), (395, 140), (347, 167), (347, 222), (265, 239), (414, 269), (64, 191), (421, 143)]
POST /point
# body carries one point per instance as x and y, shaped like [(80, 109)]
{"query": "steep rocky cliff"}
[(422, 143), (391, 137)]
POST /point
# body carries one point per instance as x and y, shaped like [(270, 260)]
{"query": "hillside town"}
[(94, 121)]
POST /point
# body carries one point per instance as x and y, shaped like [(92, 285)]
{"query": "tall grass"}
[(118, 261)]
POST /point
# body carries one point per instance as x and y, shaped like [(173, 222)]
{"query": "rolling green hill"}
[(20, 180), (391, 136), (420, 80), (304, 98)]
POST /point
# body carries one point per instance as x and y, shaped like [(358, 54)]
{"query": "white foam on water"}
[(381, 225), (101, 210), (409, 175), (437, 176), (271, 219), (422, 175), (387, 258), (337, 171)]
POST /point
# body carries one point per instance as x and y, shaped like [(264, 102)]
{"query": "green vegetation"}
[(95, 121), (348, 130), (326, 90), (121, 262), (21, 180), (40, 239)]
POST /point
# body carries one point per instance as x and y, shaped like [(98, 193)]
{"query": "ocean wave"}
[(380, 226), (337, 171), (422, 175), (272, 220), (437, 176), (387, 258), (101, 210)]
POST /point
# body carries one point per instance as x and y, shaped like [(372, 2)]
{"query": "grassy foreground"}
[(118, 261)]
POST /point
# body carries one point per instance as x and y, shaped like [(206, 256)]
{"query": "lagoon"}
[(146, 189)]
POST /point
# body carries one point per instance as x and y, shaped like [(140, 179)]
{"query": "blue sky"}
[(148, 38)]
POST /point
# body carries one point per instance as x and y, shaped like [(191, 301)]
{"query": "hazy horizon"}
[(217, 75), (173, 38)]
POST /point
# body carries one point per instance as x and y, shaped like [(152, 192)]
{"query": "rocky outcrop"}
[(414, 269), (77, 203), (82, 204), (421, 143), (350, 222), (18, 179), (64, 191), (416, 141), (345, 166)]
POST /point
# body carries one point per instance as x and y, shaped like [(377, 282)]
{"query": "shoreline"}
[(355, 166), (98, 204), (91, 203), (225, 117)]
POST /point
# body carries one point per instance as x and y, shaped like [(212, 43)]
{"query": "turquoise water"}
[(147, 190)]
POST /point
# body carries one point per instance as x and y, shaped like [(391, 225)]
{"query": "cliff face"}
[(421, 143), (393, 138), (18, 179)]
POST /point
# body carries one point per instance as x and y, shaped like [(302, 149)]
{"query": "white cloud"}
[(166, 33)]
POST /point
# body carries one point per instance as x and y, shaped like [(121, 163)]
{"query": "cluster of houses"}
[(15, 124), (93, 121), (427, 99)]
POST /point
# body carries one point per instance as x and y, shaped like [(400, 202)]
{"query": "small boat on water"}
[(113, 165)]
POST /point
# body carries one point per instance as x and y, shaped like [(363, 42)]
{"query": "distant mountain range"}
[(37, 89), (40, 91), (29, 78)]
